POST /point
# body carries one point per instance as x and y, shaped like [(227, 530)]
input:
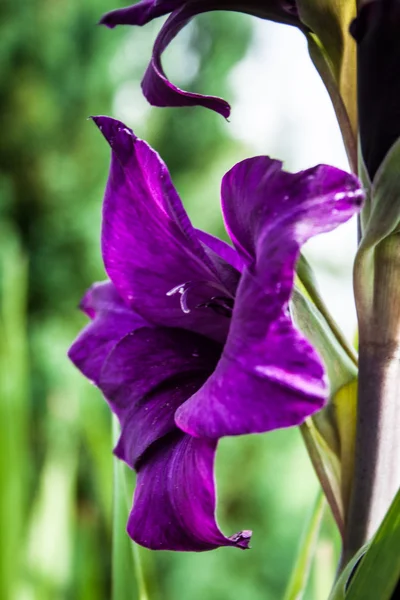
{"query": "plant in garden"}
[(192, 339)]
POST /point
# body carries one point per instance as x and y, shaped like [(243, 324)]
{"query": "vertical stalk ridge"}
[(377, 455), (377, 465)]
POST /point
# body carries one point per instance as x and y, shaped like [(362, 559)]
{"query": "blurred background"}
[(56, 467)]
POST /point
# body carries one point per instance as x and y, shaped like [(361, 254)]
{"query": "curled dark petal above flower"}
[(191, 339), (376, 31), (140, 13), (157, 88), (145, 11)]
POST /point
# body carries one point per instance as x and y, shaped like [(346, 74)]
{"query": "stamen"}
[(221, 304), (179, 289), (184, 300)]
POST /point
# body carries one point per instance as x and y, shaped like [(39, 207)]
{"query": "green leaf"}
[(345, 410), (378, 573), (330, 20), (340, 588), (378, 250), (325, 68), (128, 581), (333, 52), (14, 409), (327, 467), (299, 577), (367, 185), (308, 284), (379, 570), (384, 214), (330, 434)]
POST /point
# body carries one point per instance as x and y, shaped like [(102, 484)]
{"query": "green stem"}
[(299, 577), (377, 466), (127, 571), (14, 410)]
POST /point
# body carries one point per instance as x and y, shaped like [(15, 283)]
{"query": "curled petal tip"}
[(226, 111), (140, 13), (107, 20), (157, 88), (160, 92), (132, 15), (242, 539)]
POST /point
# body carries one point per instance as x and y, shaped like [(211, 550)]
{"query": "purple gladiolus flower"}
[(191, 339), (158, 90)]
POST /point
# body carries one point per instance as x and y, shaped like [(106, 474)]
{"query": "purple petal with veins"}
[(192, 339)]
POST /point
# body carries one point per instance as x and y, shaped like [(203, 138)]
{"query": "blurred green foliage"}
[(58, 68)]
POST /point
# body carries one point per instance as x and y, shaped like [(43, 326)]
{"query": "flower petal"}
[(146, 177), (111, 321), (149, 245), (221, 249), (157, 88), (246, 192), (174, 502), (147, 376), (283, 11), (269, 376), (140, 13), (259, 199)]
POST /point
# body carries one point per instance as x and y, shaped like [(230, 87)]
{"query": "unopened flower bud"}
[(377, 33)]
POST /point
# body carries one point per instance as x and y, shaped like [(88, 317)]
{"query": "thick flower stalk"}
[(191, 339), (376, 272)]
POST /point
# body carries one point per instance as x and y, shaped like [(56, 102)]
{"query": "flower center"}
[(196, 294), (220, 304)]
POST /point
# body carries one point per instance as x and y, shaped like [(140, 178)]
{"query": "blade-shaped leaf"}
[(308, 284), (379, 570), (330, 434), (333, 52), (345, 409), (14, 408), (299, 577), (381, 220), (341, 586), (327, 468), (128, 581), (374, 572)]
